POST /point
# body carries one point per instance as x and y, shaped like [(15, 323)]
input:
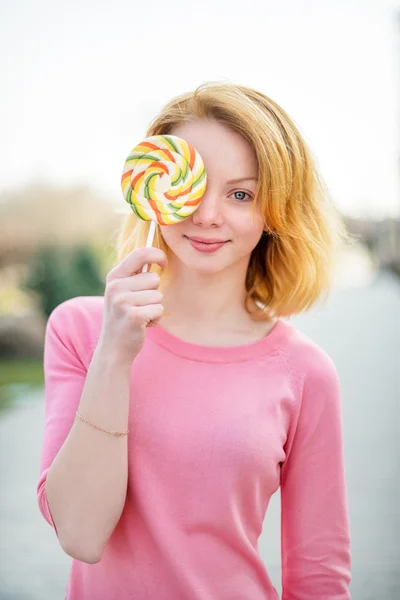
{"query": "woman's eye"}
[(241, 196)]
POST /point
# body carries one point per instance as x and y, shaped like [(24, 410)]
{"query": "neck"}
[(215, 300)]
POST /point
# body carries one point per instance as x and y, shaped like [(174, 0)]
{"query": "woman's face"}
[(224, 229)]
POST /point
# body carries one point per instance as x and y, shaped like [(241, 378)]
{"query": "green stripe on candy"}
[(178, 216), (146, 187), (186, 170), (176, 210), (136, 210), (144, 156), (171, 142), (199, 179), (178, 179)]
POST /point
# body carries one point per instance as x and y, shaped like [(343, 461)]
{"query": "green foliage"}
[(28, 371), (17, 377), (56, 274)]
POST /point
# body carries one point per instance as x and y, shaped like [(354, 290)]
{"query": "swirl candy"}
[(164, 179)]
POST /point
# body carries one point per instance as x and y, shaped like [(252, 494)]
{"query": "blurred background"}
[(80, 82)]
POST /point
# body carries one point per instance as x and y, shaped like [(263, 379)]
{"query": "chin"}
[(204, 267), (206, 264)]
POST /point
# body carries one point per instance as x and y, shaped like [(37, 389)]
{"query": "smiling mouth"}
[(206, 246), (205, 241)]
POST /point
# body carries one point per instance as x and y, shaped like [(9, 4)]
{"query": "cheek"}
[(172, 234), (248, 230)]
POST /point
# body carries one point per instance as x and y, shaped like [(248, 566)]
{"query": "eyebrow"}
[(240, 179)]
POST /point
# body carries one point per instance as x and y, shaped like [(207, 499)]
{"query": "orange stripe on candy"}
[(187, 191), (192, 157), (192, 202), (134, 181), (168, 153), (149, 145), (126, 175), (160, 165), (154, 206), (170, 196)]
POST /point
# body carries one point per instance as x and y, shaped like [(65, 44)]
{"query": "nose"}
[(208, 213)]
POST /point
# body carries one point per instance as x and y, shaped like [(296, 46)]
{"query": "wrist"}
[(108, 357)]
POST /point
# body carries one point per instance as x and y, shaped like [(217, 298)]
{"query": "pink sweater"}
[(214, 432)]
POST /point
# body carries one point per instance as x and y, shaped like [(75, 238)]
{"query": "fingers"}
[(149, 314), (141, 298), (134, 262), (153, 323), (134, 283)]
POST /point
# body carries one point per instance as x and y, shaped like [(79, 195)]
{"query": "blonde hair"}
[(293, 265)]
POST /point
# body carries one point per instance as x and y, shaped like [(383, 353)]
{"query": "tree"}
[(56, 274)]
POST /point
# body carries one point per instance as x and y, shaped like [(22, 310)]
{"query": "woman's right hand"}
[(131, 301)]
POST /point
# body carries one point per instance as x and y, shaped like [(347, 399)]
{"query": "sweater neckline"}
[(213, 354)]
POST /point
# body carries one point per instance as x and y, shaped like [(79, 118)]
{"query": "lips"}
[(206, 245), (206, 240)]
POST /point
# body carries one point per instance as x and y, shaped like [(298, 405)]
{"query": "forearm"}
[(87, 481)]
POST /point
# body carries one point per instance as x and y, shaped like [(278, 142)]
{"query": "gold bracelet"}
[(117, 433)]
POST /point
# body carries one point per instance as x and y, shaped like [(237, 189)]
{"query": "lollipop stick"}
[(149, 243)]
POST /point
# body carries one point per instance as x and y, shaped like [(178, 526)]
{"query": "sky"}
[(81, 80)]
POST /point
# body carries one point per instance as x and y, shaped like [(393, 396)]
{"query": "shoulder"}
[(316, 387), (76, 323), (308, 363), (83, 308)]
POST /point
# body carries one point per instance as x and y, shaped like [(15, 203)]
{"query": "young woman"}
[(166, 434)]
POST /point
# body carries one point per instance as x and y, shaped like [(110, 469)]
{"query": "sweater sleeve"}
[(64, 374), (315, 533)]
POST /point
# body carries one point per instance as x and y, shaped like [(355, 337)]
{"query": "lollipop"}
[(164, 180)]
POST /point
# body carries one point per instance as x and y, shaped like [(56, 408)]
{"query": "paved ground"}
[(360, 328)]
